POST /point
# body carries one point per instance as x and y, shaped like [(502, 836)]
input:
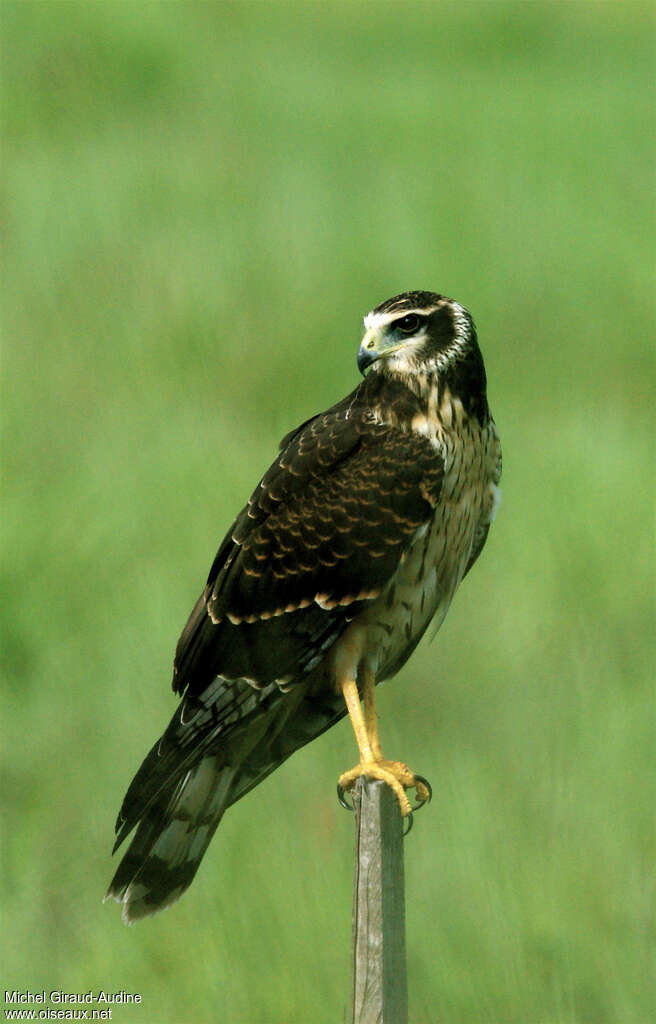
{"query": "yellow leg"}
[(352, 697), (370, 716), (372, 764)]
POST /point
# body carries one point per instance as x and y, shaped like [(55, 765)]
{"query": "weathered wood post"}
[(380, 985)]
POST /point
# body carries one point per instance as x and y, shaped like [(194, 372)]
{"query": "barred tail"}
[(206, 760), (171, 839)]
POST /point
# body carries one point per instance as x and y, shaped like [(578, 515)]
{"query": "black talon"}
[(340, 796), (410, 820), (422, 803)]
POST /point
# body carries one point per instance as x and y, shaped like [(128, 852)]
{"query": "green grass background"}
[(200, 203)]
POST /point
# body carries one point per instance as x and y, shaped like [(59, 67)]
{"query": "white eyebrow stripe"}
[(378, 321)]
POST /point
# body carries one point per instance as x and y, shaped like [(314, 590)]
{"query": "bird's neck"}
[(433, 388)]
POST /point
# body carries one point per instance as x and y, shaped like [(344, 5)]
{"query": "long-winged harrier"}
[(352, 543)]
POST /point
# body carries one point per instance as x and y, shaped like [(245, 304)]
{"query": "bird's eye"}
[(408, 324)]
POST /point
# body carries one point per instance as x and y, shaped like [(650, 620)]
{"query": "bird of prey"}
[(353, 541)]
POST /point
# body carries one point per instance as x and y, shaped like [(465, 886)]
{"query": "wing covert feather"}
[(323, 532)]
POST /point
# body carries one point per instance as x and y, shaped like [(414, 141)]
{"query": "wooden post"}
[(380, 985)]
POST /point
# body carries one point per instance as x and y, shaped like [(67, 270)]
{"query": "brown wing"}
[(323, 532)]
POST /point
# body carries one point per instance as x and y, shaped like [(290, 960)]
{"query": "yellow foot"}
[(397, 776)]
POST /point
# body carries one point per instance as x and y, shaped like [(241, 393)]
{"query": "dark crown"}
[(409, 300)]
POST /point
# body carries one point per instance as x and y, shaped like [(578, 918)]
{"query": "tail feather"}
[(216, 748), (171, 839)]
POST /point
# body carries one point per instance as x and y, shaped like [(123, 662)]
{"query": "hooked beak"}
[(370, 350), (375, 345)]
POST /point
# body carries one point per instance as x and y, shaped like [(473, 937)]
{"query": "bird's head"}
[(417, 332)]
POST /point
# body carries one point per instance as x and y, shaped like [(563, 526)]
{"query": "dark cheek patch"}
[(441, 330)]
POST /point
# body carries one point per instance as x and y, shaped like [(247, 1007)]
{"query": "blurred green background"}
[(200, 203)]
